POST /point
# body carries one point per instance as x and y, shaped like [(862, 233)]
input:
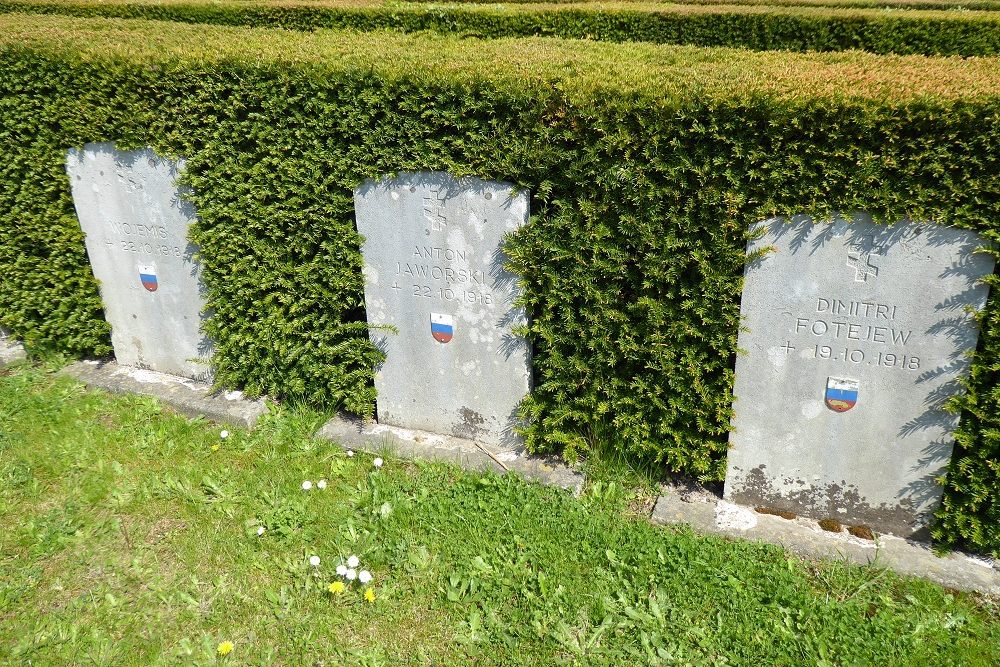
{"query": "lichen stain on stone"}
[(862, 531), (831, 525), (842, 502), (774, 512), (470, 424)]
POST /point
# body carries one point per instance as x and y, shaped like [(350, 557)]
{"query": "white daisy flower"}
[(341, 570), (260, 530), (314, 561), (321, 484), (364, 576), (224, 434), (377, 463), (351, 574), (353, 561), (350, 452), (306, 485)]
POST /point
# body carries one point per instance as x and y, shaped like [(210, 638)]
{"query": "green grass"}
[(128, 535)]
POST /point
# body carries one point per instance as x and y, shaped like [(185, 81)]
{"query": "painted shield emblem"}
[(841, 394), (147, 276), (442, 327)]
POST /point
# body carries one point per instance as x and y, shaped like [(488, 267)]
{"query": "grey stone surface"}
[(432, 258), (805, 538), (852, 304), (136, 224), (353, 433), (10, 350), (187, 396)]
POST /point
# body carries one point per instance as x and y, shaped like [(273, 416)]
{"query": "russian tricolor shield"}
[(841, 394), (442, 327), (147, 276)]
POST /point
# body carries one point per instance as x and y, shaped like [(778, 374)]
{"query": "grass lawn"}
[(129, 535)]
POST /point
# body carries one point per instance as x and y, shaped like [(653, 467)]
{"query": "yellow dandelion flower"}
[(225, 648), (336, 587), (215, 448), (369, 595)]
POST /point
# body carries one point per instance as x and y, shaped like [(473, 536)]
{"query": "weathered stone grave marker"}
[(136, 226), (434, 271), (855, 335)]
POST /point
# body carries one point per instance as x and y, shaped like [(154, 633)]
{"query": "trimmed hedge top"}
[(953, 5), (136, 8), (745, 26), (959, 6), (905, 6), (580, 70)]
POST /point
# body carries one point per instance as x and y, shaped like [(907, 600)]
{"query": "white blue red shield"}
[(147, 276), (841, 394), (442, 327)]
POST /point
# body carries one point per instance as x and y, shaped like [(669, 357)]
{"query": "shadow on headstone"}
[(434, 269), (856, 336), (136, 225)]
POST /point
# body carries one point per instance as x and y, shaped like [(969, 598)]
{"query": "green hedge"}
[(753, 27), (951, 5), (645, 163)]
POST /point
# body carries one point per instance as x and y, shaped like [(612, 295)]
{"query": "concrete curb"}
[(11, 352), (805, 538), (354, 433), (187, 396)]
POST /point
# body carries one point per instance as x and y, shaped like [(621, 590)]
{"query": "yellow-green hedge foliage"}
[(965, 33)]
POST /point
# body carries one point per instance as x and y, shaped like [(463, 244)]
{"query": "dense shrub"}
[(754, 27), (645, 172)]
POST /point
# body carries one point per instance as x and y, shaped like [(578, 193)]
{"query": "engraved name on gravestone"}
[(136, 226), (434, 270), (855, 335)]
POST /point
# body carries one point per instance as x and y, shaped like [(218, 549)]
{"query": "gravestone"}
[(10, 350), (434, 271), (136, 227), (855, 336)]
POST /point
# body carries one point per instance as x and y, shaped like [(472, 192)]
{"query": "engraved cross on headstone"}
[(860, 257), (434, 210)]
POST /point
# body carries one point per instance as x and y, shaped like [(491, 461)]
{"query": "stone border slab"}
[(187, 396), (805, 538), (11, 351), (355, 433)]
